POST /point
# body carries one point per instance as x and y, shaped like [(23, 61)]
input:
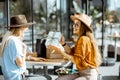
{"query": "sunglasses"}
[(75, 25)]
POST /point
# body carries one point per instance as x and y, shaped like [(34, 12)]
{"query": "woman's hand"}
[(62, 41), (32, 58), (37, 59), (26, 72)]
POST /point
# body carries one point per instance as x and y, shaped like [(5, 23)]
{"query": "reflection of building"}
[(51, 14), (2, 9), (99, 3), (2, 16), (113, 5)]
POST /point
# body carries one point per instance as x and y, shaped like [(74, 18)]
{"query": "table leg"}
[(32, 74), (115, 54), (46, 73), (33, 69)]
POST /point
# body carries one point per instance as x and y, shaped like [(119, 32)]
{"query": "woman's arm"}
[(57, 50), (67, 56), (20, 61), (33, 57), (66, 47)]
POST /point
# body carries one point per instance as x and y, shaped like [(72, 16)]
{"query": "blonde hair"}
[(85, 31), (18, 32), (96, 52)]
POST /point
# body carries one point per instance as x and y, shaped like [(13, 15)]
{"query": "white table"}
[(48, 62), (115, 37)]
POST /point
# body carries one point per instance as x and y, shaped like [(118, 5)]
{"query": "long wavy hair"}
[(18, 32), (85, 31)]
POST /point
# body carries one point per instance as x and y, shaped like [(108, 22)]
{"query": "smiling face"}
[(76, 27)]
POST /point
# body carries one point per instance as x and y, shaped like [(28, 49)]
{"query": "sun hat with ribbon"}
[(18, 21), (83, 18)]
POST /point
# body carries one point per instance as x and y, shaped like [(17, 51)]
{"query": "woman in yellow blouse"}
[(85, 55)]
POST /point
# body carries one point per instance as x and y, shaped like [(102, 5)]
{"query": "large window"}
[(47, 14), (55, 15), (2, 19)]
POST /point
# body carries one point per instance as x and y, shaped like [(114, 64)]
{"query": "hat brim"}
[(73, 18), (26, 24)]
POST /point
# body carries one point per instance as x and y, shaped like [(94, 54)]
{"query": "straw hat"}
[(83, 18), (18, 21)]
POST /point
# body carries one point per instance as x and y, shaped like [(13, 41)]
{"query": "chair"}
[(118, 53), (110, 59), (111, 51)]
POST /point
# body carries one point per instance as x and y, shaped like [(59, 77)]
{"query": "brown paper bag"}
[(53, 39), (33, 54), (51, 54)]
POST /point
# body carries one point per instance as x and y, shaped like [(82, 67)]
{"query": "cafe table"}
[(48, 62), (115, 39)]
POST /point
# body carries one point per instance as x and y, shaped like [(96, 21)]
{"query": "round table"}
[(115, 37)]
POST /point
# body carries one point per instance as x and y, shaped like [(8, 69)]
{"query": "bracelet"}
[(64, 44)]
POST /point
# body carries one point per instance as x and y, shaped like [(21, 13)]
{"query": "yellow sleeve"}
[(81, 48), (81, 51)]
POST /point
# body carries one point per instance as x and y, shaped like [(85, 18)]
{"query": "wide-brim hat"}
[(83, 18), (19, 21)]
